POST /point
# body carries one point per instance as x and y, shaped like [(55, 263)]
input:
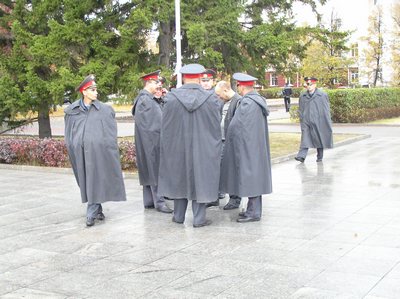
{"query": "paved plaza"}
[(329, 230)]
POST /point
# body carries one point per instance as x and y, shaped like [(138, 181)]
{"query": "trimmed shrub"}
[(52, 152), (128, 155), (360, 105), (364, 105)]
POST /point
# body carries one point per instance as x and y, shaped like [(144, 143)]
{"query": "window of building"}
[(273, 79), (354, 76), (354, 50)]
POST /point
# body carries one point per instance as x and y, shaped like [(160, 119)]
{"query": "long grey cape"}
[(246, 162), (190, 144), (315, 120), (91, 140), (147, 114)]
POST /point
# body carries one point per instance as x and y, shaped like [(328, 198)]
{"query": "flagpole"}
[(178, 38)]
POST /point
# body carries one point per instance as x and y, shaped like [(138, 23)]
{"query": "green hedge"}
[(360, 105), (276, 92), (364, 105)]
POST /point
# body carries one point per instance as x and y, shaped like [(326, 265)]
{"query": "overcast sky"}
[(354, 13)]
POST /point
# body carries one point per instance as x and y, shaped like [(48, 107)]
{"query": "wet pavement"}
[(329, 230)]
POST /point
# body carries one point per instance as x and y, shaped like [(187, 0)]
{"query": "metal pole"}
[(178, 43)]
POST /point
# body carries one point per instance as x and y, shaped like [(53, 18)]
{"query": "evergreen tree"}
[(56, 43)]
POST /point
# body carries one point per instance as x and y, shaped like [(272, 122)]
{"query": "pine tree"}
[(56, 43)]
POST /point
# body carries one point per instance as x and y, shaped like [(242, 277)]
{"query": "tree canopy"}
[(49, 46)]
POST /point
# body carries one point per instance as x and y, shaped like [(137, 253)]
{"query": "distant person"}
[(287, 92), (147, 114), (315, 121), (190, 147), (91, 140), (231, 98), (246, 162)]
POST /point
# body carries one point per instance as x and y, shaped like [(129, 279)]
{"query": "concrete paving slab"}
[(329, 230)]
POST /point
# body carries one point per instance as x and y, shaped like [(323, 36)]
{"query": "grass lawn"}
[(388, 121), (283, 144)]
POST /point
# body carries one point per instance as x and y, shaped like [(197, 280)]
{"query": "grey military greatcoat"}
[(147, 114), (315, 120), (190, 144), (91, 140), (246, 163)]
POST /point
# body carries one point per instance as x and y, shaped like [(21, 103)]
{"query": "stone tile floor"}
[(329, 230)]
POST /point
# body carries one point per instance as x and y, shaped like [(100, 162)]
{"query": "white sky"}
[(354, 13)]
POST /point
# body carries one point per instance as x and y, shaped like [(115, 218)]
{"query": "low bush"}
[(361, 105), (364, 104), (52, 152)]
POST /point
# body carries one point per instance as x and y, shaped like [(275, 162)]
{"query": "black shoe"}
[(100, 216), (230, 206), (319, 160), (173, 220), (248, 219), (149, 207), (207, 222), (213, 204), (221, 195), (164, 209), (242, 214), (89, 221), (300, 159)]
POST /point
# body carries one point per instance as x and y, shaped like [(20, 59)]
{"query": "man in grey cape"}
[(224, 91), (246, 162), (315, 121), (91, 140), (190, 147), (147, 114)]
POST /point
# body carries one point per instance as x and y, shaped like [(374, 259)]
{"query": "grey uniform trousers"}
[(199, 211), (254, 207), (93, 209), (150, 197), (303, 153)]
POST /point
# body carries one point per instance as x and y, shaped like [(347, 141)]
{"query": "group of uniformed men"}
[(194, 144)]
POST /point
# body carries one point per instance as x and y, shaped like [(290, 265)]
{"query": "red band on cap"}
[(313, 81), (246, 83), (150, 77), (86, 86), (191, 76)]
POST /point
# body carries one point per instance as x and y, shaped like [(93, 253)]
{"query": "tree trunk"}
[(165, 40), (44, 121)]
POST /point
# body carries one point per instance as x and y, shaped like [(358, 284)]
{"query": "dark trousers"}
[(150, 197), (93, 209), (287, 103), (303, 153), (254, 207), (198, 209)]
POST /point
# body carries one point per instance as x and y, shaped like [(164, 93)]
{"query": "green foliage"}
[(364, 105), (325, 56), (57, 43), (373, 52)]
